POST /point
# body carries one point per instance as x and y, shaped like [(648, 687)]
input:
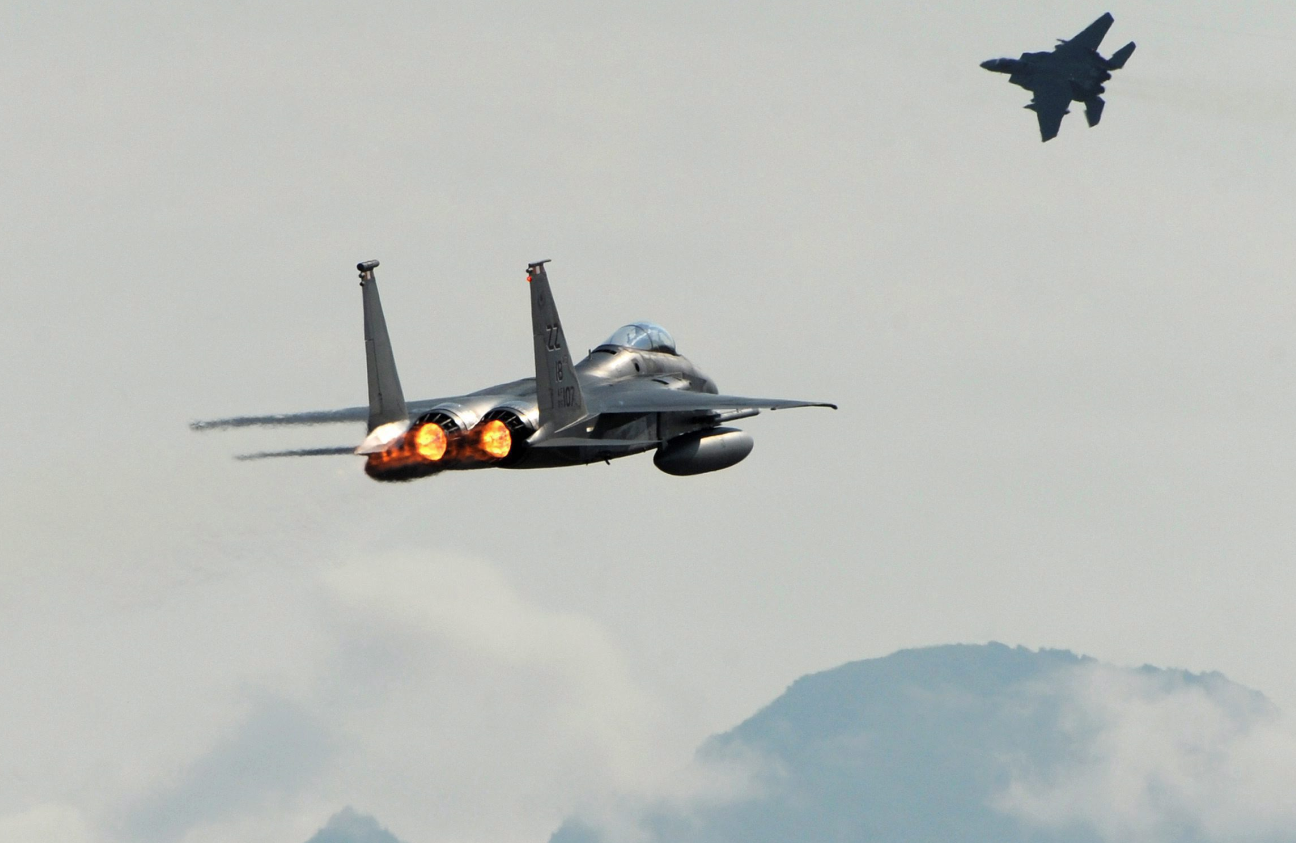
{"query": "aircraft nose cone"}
[(989, 64)]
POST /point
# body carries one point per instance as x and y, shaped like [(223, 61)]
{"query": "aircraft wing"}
[(346, 414), (613, 400), (1051, 102), (1088, 40)]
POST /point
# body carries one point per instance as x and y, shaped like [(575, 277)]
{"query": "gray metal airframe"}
[(632, 394)]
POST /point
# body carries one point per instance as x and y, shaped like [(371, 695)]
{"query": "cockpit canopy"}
[(644, 336)]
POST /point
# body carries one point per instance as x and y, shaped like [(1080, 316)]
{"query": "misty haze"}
[(1065, 372)]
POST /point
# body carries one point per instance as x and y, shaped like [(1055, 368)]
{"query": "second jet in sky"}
[(1072, 71)]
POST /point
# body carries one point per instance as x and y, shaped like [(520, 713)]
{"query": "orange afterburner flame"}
[(416, 454), (495, 439), (430, 442), (428, 449)]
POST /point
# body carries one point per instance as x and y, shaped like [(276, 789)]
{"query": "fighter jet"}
[(631, 394), (1073, 71)]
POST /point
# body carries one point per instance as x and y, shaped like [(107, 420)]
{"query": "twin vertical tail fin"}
[(557, 390), (1118, 58), (388, 415)]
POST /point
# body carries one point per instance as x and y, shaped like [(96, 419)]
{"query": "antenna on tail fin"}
[(387, 410), (557, 390)]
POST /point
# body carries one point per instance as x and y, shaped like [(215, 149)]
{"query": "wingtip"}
[(803, 406)]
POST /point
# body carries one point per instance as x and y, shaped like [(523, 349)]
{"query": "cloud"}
[(452, 616), (47, 823), (469, 604), (423, 687), (1162, 756), (675, 807), (279, 749)]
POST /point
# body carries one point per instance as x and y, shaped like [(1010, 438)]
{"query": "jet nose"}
[(1002, 65)]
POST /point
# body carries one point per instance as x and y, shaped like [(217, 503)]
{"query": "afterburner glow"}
[(430, 442), (495, 439)]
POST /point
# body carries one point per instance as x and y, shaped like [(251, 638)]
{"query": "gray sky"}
[(1065, 372)]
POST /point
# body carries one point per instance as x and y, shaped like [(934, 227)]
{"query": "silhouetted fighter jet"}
[(1073, 71)]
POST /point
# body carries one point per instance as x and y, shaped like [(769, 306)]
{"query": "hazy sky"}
[(1065, 372)]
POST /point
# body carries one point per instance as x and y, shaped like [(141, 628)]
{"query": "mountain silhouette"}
[(974, 743), (348, 826)]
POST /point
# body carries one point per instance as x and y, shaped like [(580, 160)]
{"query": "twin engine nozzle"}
[(431, 446)]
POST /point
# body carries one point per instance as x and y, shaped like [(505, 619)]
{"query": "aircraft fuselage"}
[(1085, 78), (605, 373), (632, 393)]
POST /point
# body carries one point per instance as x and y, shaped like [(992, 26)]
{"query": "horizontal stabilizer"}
[(1093, 110), (1118, 58)]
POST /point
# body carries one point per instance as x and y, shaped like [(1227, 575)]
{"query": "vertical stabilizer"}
[(386, 401), (557, 390)]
